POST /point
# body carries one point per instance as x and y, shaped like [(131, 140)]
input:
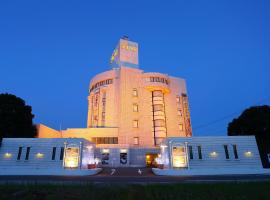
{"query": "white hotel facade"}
[(135, 118)]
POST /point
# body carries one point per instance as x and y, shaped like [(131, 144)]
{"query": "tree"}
[(253, 121), (16, 118)]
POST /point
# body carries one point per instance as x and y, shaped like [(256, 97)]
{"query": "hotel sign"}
[(125, 54)]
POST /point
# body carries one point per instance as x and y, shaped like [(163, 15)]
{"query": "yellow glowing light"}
[(105, 151), (72, 163), (147, 156), (248, 154), (213, 154), (39, 155), (179, 161), (8, 155), (123, 150)]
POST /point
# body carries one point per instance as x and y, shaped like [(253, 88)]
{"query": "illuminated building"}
[(131, 107), (135, 118)]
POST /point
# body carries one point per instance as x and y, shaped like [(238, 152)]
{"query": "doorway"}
[(150, 159)]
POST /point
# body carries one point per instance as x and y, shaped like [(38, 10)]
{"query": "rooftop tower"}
[(125, 54)]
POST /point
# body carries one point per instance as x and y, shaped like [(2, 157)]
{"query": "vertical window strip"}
[(27, 153), (190, 152), (226, 151), (62, 153), (19, 153), (53, 153), (199, 152), (235, 151)]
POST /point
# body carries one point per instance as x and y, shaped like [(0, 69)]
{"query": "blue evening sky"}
[(49, 51)]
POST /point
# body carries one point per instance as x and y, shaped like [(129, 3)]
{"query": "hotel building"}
[(135, 118)]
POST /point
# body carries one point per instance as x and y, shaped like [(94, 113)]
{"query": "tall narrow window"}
[(19, 153), (180, 127), (235, 151), (136, 141), (190, 152), (226, 151), (53, 153), (27, 153), (135, 92), (62, 153), (135, 107), (199, 152), (135, 123)]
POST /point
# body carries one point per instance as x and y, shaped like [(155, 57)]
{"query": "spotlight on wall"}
[(123, 150), (248, 153), (105, 151), (213, 154), (39, 155), (7, 155)]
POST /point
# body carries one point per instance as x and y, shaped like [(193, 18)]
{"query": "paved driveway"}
[(128, 175)]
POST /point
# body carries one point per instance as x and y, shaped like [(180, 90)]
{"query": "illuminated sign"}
[(72, 157), (179, 156), (125, 54)]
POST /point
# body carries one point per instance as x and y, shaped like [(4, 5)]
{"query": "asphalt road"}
[(128, 175)]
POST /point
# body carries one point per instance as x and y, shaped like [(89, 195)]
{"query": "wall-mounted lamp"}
[(213, 154), (39, 155), (7, 155), (123, 150), (105, 151), (248, 153)]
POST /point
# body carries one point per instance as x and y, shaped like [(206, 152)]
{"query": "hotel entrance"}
[(150, 159)]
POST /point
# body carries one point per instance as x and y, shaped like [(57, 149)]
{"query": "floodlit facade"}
[(127, 106), (135, 118)]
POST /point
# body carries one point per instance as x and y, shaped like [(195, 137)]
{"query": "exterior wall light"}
[(248, 154), (7, 155), (123, 150), (39, 155), (213, 154), (105, 151)]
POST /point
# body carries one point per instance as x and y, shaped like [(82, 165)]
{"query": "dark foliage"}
[(253, 121), (16, 118)]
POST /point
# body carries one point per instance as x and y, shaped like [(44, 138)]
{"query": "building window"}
[(158, 107), (235, 151), (226, 151), (19, 153), (190, 152), (135, 108), (159, 123), (27, 153), (199, 152), (136, 141), (135, 123), (53, 153), (62, 153), (181, 127), (157, 93), (135, 92)]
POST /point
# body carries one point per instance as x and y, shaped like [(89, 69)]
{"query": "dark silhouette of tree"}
[(16, 118), (253, 121)]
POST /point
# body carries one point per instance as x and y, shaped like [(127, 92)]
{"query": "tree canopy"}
[(16, 118), (253, 121)]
